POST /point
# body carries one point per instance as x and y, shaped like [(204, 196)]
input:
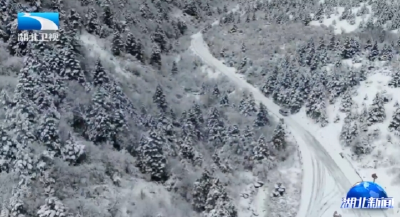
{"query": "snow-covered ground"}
[(342, 26), (97, 49), (253, 197), (384, 160), (326, 175)]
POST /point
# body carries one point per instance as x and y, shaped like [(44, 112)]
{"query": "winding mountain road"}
[(326, 176)]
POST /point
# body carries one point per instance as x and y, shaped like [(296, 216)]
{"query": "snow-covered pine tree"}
[(374, 52), (224, 101), (72, 150), (363, 119), (165, 125), (48, 133), (279, 136), (315, 106), (74, 20), (261, 149), (394, 125), (92, 21), (155, 58), (108, 16), (104, 118), (362, 146), (100, 76), (186, 149), (395, 80), (14, 46), (201, 189), (151, 160), (271, 82), (376, 112), (117, 45), (349, 48), (8, 151), (52, 208), (247, 105), (234, 135), (248, 135), (174, 69), (347, 102), (218, 202), (216, 128), (216, 92), (159, 99), (6, 102), (262, 116), (386, 53), (72, 68), (134, 47), (159, 38), (349, 133)]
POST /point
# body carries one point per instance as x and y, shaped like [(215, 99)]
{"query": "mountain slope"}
[(107, 121)]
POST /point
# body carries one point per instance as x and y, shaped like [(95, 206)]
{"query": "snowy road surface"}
[(326, 176)]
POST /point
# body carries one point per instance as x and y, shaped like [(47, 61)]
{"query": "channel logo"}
[(38, 21)]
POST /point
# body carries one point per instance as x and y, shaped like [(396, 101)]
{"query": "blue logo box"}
[(39, 21)]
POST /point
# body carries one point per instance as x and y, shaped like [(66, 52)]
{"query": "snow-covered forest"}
[(110, 122), (120, 118)]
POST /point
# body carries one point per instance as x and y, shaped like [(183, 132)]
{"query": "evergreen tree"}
[(362, 146), (100, 76), (216, 92), (394, 125), (247, 105), (395, 80), (262, 116), (74, 20), (218, 202), (201, 188), (373, 54), (16, 47), (72, 69), (159, 99), (155, 58), (53, 207), (224, 100), (216, 128), (159, 38), (349, 48), (134, 47), (279, 137), (174, 69), (349, 133), (261, 149), (271, 82), (386, 53), (92, 22), (186, 149), (347, 102), (48, 132), (104, 119), (315, 106), (152, 160), (72, 150), (8, 153), (117, 44), (108, 16), (377, 111)]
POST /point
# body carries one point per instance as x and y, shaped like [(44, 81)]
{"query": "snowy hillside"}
[(172, 108), (382, 158), (322, 76)]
